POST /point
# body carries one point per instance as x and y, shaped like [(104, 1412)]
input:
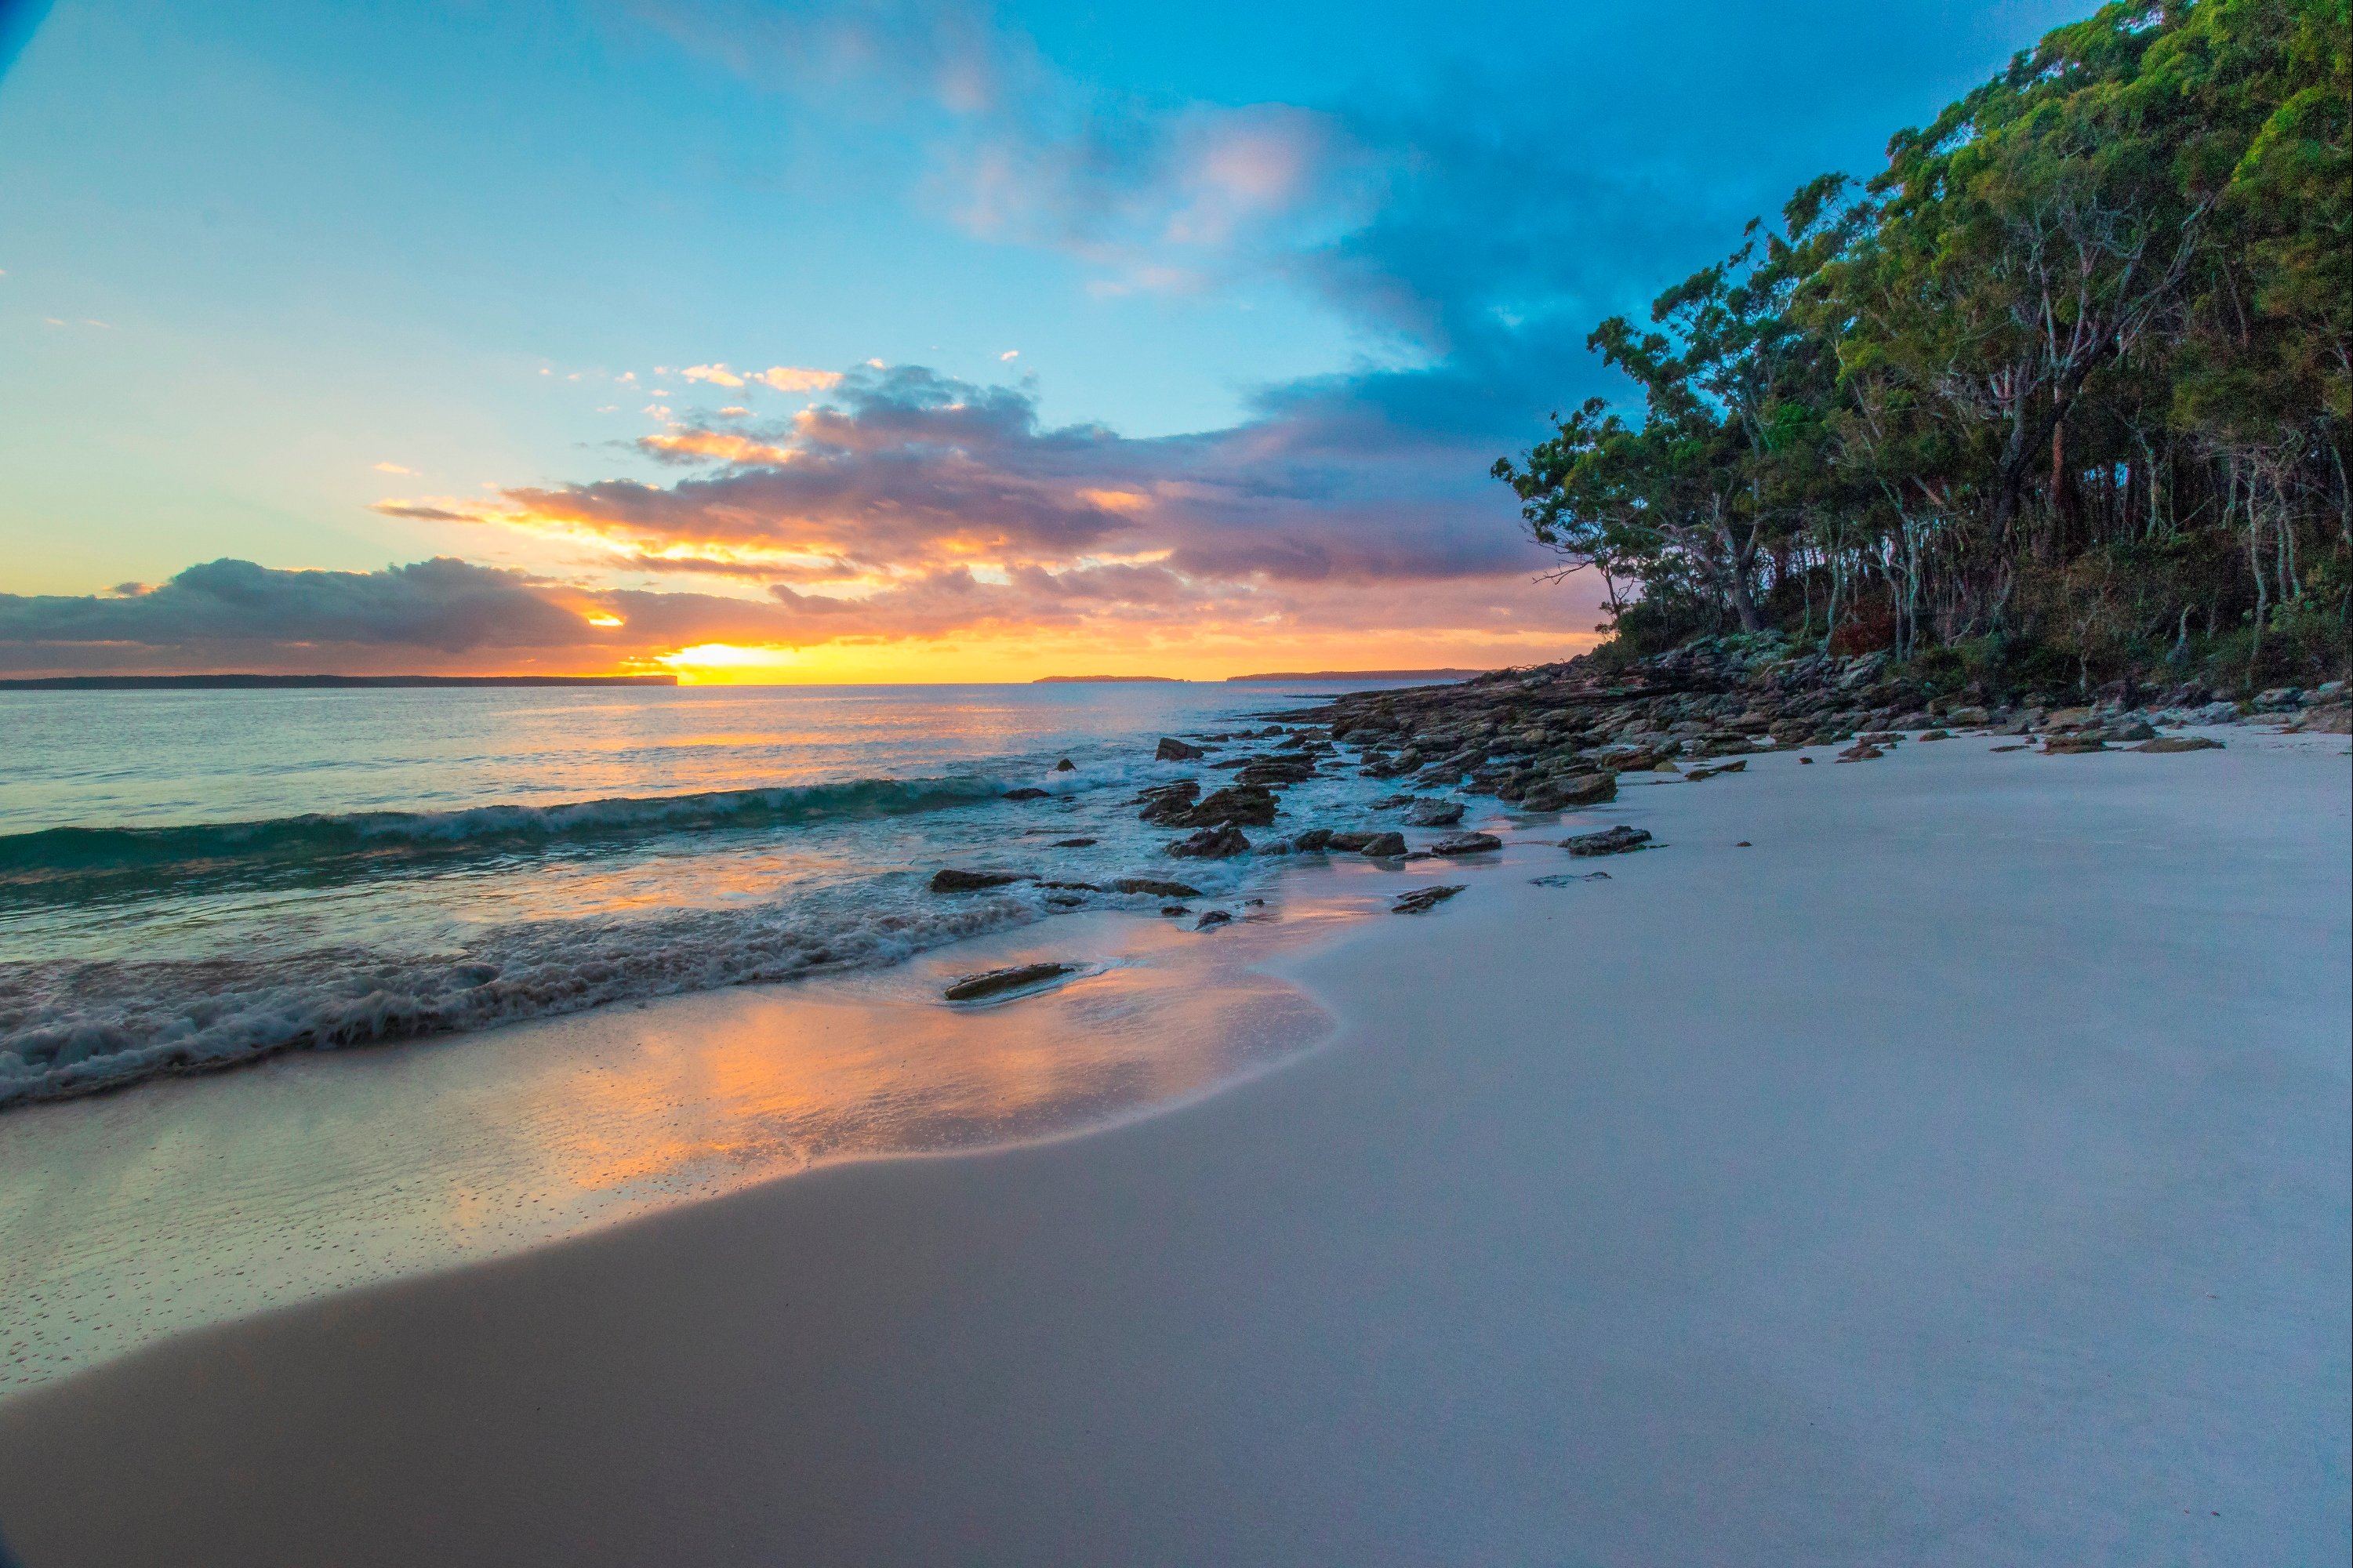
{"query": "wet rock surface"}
[(1619, 840), (1211, 844), (1466, 843), (1421, 900), (1172, 749), (952, 880), (997, 982), (1155, 887), (1433, 814)]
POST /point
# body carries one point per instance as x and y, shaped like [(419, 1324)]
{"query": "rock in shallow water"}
[(1211, 844), (1379, 846), (1433, 814), (1466, 843), (1241, 806), (2180, 743), (1175, 750), (951, 881), (1155, 887), (1421, 900), (995, 981), (1212, 918)]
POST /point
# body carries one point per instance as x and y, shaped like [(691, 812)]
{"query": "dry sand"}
[(1959, 1174)]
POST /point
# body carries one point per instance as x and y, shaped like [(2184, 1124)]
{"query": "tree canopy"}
[(2066, 384)]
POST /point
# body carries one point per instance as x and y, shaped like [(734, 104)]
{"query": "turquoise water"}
[(189, 878)]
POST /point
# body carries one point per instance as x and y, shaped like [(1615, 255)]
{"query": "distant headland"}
[(273, 682), (1361, 675), (1093, 680)]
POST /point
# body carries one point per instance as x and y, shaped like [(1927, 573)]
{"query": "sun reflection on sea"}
[(309, 1175)]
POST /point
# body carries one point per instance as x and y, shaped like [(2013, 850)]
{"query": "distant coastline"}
[(1093, 680), (272, 682), (1358, 675)]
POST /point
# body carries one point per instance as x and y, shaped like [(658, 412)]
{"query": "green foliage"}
[(2069, 379)]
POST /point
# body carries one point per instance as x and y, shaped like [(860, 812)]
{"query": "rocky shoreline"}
[(1557, 738)]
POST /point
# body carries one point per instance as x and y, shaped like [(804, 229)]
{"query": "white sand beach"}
[(1957, 1171)]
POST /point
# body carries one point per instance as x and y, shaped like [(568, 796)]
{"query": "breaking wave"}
[(64, 865), (72, 1027)]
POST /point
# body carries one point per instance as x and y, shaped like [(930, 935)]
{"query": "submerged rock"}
[(1066, 766), (2164, 743), (973, 987), (1421, 900), (1074, 843), (1466, 843), (1312, 839), (949, 880), (2066, 745), (1025, 794), (1568, 879), (1212, 918), (1619, 840), (1698, 774)]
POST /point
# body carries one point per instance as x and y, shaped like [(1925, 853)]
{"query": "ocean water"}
[(191, 877)]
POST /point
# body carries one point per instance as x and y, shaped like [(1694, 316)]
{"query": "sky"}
[(890, 339)]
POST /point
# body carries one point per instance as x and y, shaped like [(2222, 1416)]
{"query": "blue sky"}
[(1277, 281)]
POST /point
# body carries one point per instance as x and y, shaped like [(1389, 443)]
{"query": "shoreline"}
[(1957, 1170), (561, 1127)]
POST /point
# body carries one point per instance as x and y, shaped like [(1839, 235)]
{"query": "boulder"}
[(1212, 918), (1165, 803), (2134, 730), (1569, 790), (1382, 844), (1175, 751), (1155, 887), (1466, 843), (1025, 794), (2164, 743), (1243, 806), (951, 880), (1433, 814), (1211, 844), (973, 987), (1421, 900), (1619, 840), (1312, 839), (1965, 716), (1938, 735), (1066, 766)]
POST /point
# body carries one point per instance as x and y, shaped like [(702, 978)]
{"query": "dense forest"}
[(2059, 397)]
